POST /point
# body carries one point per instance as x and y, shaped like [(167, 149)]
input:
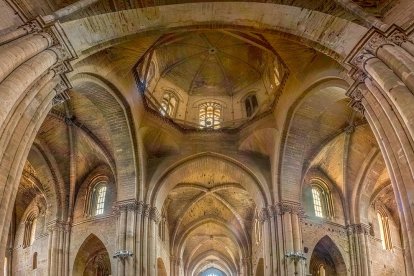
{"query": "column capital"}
[(129, 205), (368, 46), (356, 95), (32, 27), (291, 207), (58, 225), (358, 228)]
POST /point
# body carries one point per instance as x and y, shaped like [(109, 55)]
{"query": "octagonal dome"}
[(210, 79)]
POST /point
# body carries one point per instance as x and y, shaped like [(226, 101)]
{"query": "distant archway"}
[(260, 268), (327, 259), (161, 271), (92, 258)]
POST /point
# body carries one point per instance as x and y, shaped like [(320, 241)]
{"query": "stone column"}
[(122, 221), (358, 237), (56, 250), (154, 219), (383, 76), (291, 213), (30, 27)]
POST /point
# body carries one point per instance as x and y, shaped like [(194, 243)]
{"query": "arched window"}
[(210, 115), (169, 104), (34, 260), (384, 230), (321, 270), (98, 198), (250, 104), (322, 201), (29, 229)]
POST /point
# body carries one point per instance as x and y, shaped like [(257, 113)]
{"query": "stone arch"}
[(47, 180), (317, 102), (118, 115), (260, 268), (222, 263), (218, 15), (252, 181), (92, 252), (161, 271), (326, 253)]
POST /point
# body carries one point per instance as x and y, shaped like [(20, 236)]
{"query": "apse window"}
[(210, 115), (384, 230), (250, 103), (29, 230), (168, 104), (322, 201)]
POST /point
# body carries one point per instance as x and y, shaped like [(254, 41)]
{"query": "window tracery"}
[(210, 115)]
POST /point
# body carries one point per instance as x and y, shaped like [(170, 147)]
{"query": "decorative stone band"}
[(57, 225), (374, 39), (359, 228), (280, 209)]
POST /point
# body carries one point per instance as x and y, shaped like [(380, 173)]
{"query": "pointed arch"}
[(327, 255), (92, 254)]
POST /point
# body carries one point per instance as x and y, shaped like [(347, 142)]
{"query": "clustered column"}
[(33, 61), (359, 248), (137, 232), (383, 70)]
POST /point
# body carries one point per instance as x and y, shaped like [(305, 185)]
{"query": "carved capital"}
[(154, 215), (32, 27), (60, 52), (264, 215), (361, 58), (359, 228), (397, 37), (376, 41), (355, 93), (291, 207), (58, 226)]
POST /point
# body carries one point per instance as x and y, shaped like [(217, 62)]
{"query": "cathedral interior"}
[(220, 138)]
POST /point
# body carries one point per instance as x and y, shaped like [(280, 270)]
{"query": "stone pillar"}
[(383, 70), (358, 237), (291, 214), (30, 27), (122, 221), (154, 219), (57, 248)]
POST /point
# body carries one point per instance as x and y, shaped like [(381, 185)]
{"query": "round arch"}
[(296, 130), (252, 181), (270, 18), (118, 117)]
